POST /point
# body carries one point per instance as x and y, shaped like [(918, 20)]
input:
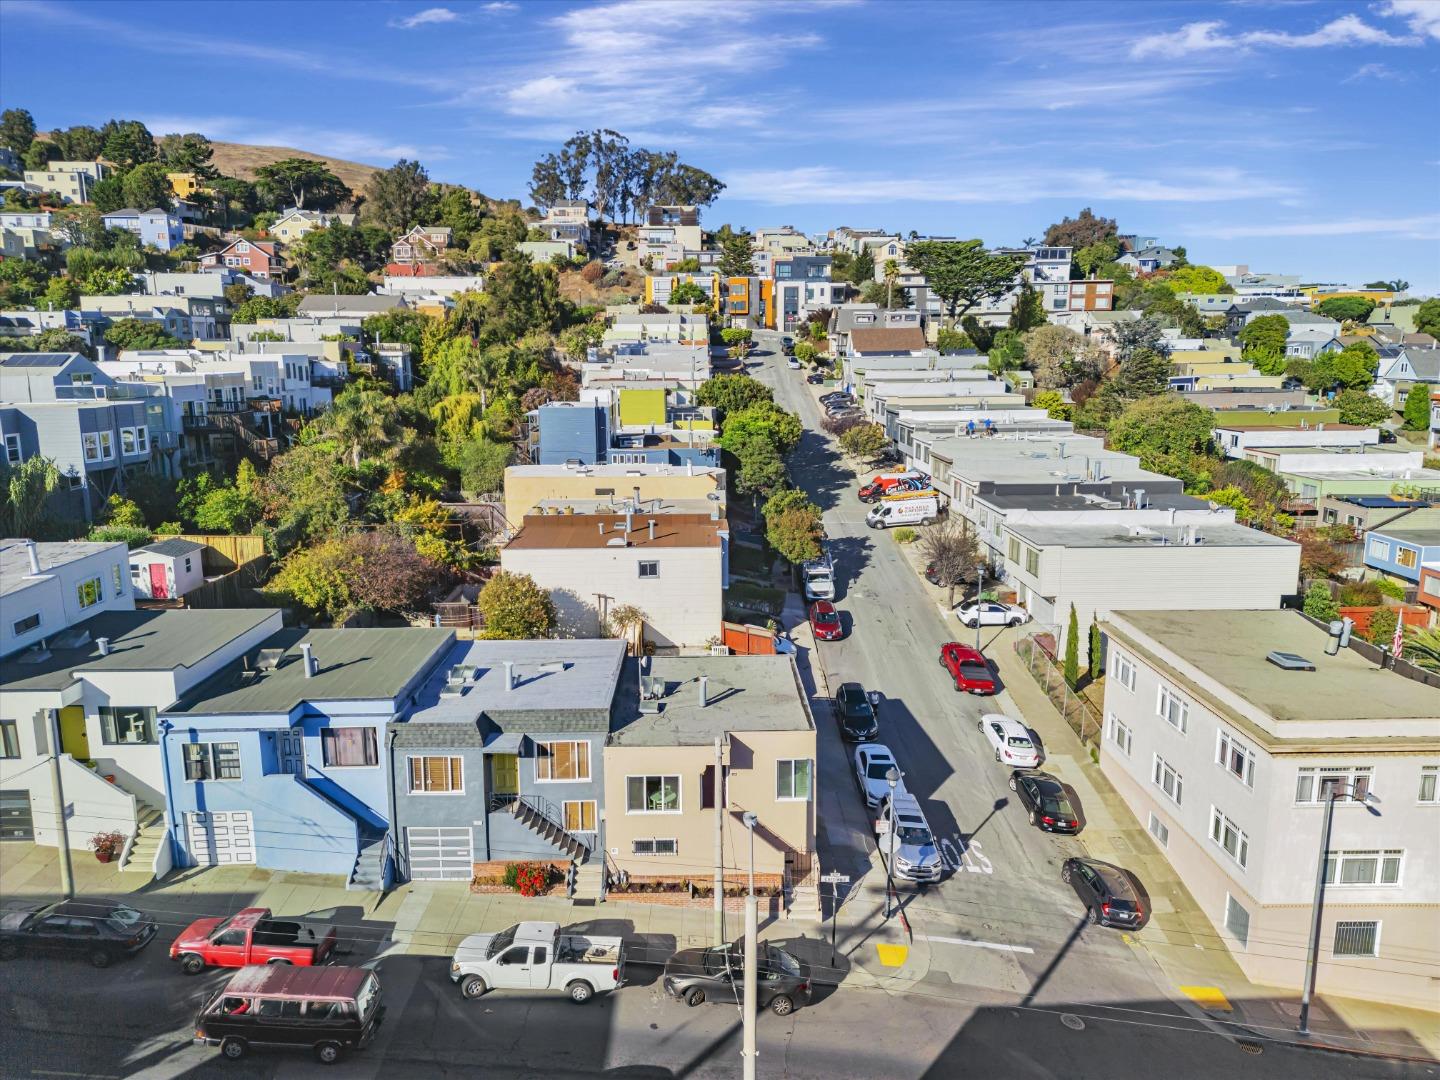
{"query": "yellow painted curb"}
[(893, 955), (1207, 997)]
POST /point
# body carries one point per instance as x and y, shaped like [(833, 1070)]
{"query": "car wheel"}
[(234, 1048), (278, 961), (972, 623), (580, 992), (1034, 819), (927, 521), (695, 997), (472, 987), (781, 1005), (192, 963), (100, 959), (328, 1053), (1013, 785), (1065, 874), (1016, 621), (1090, 915), (979, 724), (9, 950)]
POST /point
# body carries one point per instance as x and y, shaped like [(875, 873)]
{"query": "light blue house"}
[(155, 227), (280, 759), (1401, 545)]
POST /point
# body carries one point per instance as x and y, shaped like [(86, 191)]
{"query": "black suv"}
[(102, 931), (696, 976), (1046, 800), (855, 713), (1105, 890)]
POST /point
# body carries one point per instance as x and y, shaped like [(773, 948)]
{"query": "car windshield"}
[(784, 961), (1058, 806), (369, 994), (500, 941), (971, 669), (914, 834), (1018, 741), (124, 919), (878, 769)]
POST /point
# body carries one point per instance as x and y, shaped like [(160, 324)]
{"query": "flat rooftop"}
[(15, 560), (1216, 534), (1318, 429), (1230, 647), (744, 693), (598, 530), (139, 641), (609, 470), (1044, 501), (358, 664)]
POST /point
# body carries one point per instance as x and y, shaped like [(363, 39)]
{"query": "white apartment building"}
[(1228, 758), (1235, 439), (71, 180)]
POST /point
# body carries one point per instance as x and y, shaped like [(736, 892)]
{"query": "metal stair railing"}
[(545, 809)]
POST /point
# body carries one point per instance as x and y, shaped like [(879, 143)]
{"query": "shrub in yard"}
[(1319, 604), (906, 535), (1360, 594), (1392, 589), (1382, 626), (528, 879)]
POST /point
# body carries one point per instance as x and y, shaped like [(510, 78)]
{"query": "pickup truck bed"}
[(573, 949)]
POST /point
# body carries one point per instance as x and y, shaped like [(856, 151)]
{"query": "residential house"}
[(502, 758), (590, 433), (698, 742), (1091, 294), (1147, 260), (434, 292), (1401, 368), (668, 232), (847, 318), (1307, 342), (279, 758), (1254, 286), (858, 371), (658, 287), (292, 224), (1314, 475), (185, 185), (783, 240), (902, 340), (1365, 512), (1234, 440), (673, 567), (925, 438), (71, 180), (166, 569), (421, 250), (677, 327), (537, 251), (954, 397), (1428, 592), (747, 302), (568, 219), (801, 287), (540, 489), (1397, 548), (258, 257), (1226, 732), (665, 364), (155, 227), (337, 306)]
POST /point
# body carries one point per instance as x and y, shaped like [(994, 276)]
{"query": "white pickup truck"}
[(819, 577), (537, 956)]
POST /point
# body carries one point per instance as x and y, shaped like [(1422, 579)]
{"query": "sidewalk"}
[(1179, 938)]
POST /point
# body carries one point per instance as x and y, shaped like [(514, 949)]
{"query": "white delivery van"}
[(920, 509)]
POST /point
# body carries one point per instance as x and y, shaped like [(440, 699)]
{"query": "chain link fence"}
[(1082, 717)]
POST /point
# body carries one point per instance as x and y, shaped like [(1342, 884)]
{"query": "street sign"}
[(835, 879)]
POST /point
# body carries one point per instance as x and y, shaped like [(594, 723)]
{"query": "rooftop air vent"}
[(268, 659), (1289, 661)]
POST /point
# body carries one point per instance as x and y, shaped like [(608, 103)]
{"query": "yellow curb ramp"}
[(1210, 998)]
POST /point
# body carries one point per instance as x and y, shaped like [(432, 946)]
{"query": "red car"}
[(251, 936), (968, 667), (825, 621)]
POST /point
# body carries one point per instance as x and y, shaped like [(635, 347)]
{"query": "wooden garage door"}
[(440, 853), (16, 821), (221, 837)]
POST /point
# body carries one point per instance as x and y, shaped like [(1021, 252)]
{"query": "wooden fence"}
[(223, 553)]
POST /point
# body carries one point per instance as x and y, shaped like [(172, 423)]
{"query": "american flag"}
[(1398, 641)]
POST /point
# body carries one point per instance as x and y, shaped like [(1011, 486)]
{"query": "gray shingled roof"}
[(173, 547)]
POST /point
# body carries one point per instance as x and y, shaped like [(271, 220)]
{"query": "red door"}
[(158, 589)]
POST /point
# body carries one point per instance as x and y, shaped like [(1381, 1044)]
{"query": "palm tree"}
[(363, 419), (892, 274)]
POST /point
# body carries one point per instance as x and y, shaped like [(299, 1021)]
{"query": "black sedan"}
[(855, 713), (1046, 800), (696, 976), (102, 931), (815, 379), (1106, 891)]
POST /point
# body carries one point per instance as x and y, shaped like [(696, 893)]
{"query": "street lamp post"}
[(751, 821), (979, 587), (752, 951), (1312, 959), (892, 777)]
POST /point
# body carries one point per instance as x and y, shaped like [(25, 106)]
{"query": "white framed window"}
[(127, 440), (793, 779), (1159, 829), (1429, 782), (1237, 920), (1164, 776), (1118, 733), (107, 445), (1364, 867), (1173, 708), (651, 846), (89, 592), (12, 449), (1235, 757), (1229, 836), (91, 442), (579, 815), (212, 761), (1357, 939), (142, 440), (562, 761), (1314, 785), (1378, 549), (1122, 670), (649, 569), (652, 794), (436, 775)]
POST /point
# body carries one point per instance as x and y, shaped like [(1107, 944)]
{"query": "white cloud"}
[(1210, 37), (1421, 227), (498, 6), (428, 17), (1422, 16), (824, 185), (1372, 71)]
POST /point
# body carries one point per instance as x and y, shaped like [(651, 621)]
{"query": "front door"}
[(159, 590), (505, 774), (74, 739), (290, 747)]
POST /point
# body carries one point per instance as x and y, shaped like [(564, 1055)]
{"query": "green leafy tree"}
[(481, 463), (1163, 426), (805, 351), (792, 526), (296, 181), (515, 608), (962, 273), (1417, 408), (1007, 352), (1263, 341), (1427, 317), (1382, 626), (17, 130), (760, 469), (455, 207), (951, 341), (60, 293), (862, 269), (764, 420), (1351, 368), (737, 255), (140, 334), (1319, 604), (1072, 649), (21, 281), (1029, 311), (128, 143), (26, 489), (1196, 279), (108, 281), (363, 420), (305, 494), (146, 187), (1050, 352), (1358, 407), (1094, 659), (1346, 308), (864, 441), (39, 155), (190, 153), (266, 307), (317, 578), (232, 508), (1055, 406), (1092, 257), (727, 393), (687, 292), (396, 198), (1080, 231), (123, 512)]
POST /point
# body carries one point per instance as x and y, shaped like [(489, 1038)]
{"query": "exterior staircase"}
[(538, 816), (149, 835), (369, 872), (588, 880)]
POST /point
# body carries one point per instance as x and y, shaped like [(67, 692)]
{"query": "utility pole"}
[(979, 587), (716, 792), (752, 922), (57, 793)]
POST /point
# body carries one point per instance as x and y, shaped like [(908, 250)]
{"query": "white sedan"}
[(990, 613), (1011, 740), (872, 761)]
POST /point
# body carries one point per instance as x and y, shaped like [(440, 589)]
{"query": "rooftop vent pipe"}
[(509, 675), (652, 529), (104, 645), (307, 657), (704, 682)]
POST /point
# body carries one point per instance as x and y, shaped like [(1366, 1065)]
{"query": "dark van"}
[(328, 1010)]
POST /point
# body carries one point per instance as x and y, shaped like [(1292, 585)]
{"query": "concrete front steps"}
[(588, 878), (149, 835)]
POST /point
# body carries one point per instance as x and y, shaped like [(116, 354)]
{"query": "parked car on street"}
[(884, 483), (101, 931), (835, 395), (327, 1010), (537, 956), (1106, 891), (819, 576), (815, 379), (1010, 740), (916, 856), (975, 613), (696, 976), (910, 508), (855, 713), (1046, 801), (968, 667), (872, 761), (933, 577), (251, 936), (825, 621)]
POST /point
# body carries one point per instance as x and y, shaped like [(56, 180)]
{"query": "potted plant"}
[(107, 845)]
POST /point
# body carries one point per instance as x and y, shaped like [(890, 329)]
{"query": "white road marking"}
[(978, 944)]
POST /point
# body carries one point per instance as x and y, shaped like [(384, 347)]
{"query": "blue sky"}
[(1296, 137)]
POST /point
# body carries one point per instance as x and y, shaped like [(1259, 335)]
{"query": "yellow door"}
[(73, 738), (505, 774)]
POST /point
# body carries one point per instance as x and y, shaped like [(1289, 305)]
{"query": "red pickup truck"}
[(251, 937)]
